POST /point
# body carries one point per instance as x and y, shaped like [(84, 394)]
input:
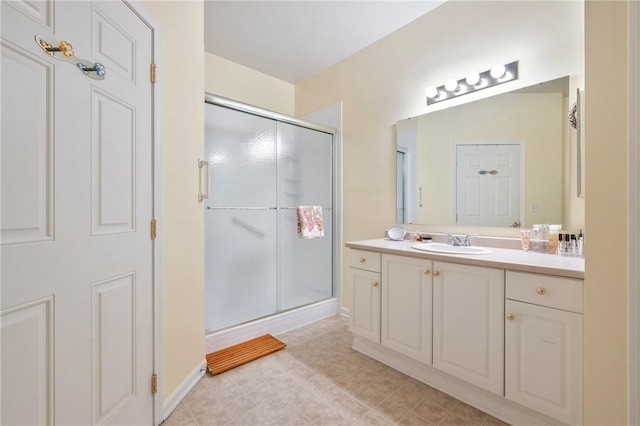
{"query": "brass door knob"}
[(375, 284), (66, 48), (436, 273), (541, 290), (362, 260), (515, 225), (426, 271), (511, 317)]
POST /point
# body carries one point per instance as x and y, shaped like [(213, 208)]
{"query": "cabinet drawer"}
[(544, 290), (362, 259)]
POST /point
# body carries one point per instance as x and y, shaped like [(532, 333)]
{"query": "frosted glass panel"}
[(241, 148), (306, 270), (261, 170), (304, 166), (240, 270)]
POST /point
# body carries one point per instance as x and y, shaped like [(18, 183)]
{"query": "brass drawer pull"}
[(541, 291), (375, 284), (362, 260)]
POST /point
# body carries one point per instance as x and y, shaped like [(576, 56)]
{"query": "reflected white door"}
[(488, 185), (76, 200)]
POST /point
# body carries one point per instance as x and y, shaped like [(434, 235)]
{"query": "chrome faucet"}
[(456, 241)]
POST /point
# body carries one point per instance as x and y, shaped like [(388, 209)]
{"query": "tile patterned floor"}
[(319, 380)]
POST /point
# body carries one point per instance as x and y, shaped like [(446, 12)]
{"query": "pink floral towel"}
[(310, 222)]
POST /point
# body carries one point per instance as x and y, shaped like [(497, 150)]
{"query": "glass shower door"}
[(304, 178), (240, 217)]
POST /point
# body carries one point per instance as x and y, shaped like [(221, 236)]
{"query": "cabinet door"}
[(544, 360), (468, 325), (364, 315), (406, 306)]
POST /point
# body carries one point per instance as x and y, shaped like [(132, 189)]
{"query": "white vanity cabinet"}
[(543, 338), (406, 306), (364, 278), (468, 325), (501, 331)]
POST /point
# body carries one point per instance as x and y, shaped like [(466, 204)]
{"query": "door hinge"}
[(154, 383), (154, 229), (154, 70)]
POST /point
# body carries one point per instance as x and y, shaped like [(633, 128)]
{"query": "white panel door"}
[(468, 325), (77, 285), (406, 306), (364, 315), (543, 361), (488, 178)]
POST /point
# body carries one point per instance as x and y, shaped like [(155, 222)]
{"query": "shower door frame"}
[(336, 195)]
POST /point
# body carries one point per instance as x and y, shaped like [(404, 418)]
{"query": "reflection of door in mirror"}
[(535, 114), (401, 201), (488, 184)]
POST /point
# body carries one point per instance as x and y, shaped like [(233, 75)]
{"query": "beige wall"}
[(386, 82), (605, 327), (230, 80), (181, 77)]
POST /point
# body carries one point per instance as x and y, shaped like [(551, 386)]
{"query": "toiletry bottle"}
[(535, 238), (553, 238), (580, 243), (573, 247), (526, 239), (560, 250), (544, 238)]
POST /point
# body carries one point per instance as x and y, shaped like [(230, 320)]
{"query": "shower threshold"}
[(272, 324)]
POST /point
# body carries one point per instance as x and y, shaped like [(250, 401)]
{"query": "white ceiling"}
[(292, 40)]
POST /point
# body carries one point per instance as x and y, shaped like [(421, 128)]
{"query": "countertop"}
[(514, 260)]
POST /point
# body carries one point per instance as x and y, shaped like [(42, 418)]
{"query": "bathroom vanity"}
[(501, 331)]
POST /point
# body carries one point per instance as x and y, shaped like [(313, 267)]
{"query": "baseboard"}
[(495, 405), (274, 324), (172, 401), (344, 312)]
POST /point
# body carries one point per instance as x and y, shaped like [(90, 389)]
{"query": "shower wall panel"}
[(304, 178)]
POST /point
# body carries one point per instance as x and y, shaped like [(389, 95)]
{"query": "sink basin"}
[(446, 248)]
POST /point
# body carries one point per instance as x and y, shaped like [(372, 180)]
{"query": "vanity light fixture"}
[(498, 74)]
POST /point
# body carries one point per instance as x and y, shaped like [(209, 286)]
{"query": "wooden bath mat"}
[(233, 356)]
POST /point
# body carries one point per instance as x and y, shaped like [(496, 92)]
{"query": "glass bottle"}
[(535, 238), (554, 230), (544, 238)]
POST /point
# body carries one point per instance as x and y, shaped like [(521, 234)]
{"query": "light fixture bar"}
[(500, 73)]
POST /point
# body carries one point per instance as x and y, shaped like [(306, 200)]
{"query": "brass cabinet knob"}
[(436, 273), (511, 317), (426, 271), (375, 284), (362, 260), (541, 290)]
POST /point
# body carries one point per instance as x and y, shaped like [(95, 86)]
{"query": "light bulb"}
[(473, 78), (498, 71), (451, 85), (432, 92)]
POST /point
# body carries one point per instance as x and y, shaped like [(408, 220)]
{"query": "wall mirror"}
[(501, 161)]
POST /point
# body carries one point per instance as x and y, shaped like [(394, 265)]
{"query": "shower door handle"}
[(203, 195)]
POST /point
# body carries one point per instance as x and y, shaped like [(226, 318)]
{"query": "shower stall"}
[(263, 166)]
